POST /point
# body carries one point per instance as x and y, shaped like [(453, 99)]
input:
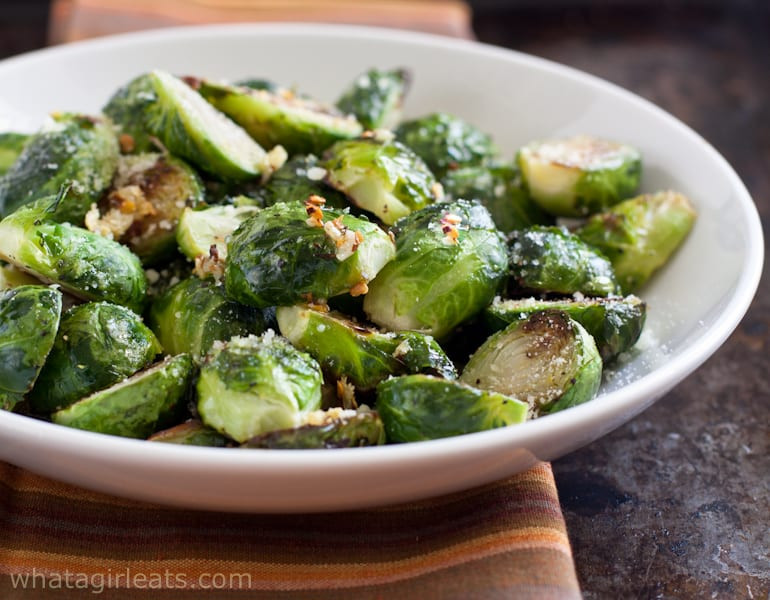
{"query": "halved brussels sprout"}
[(12, 276), (299, 178), (191, 433), (84, 263), (639, 235), (289, 253), (381, 176), (160, 105), (550, 259), (73, 150), (98, 344), (375, 98), (29, 320), (422, 407), (614, 323), (363, 355), (450, 261), (252, 385), (297, 123), (579, 176), (333, 428), (11, 145), (134, 407), (500, 189), (201, 229), (193, 314), (548, 360), (446, 142)]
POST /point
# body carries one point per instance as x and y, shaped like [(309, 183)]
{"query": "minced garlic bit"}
[(210, 266), (359, 289), (273, 161), (449, 223), (346, 392), (313, 207), (437, 190), (345, 239), (127, 143)]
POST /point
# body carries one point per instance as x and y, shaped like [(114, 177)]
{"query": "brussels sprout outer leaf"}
[(199, 230), (375, 98), (299, 178), (11, 145), (9, 400), (191, 433), (422, 407), (136, 406), (29, 320), (422, 354)]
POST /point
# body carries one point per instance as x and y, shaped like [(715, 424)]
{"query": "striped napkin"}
[(503, 540)]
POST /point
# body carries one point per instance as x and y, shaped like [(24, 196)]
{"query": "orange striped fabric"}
[(503, 540)]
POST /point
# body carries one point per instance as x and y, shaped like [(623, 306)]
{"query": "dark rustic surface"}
[(676, 504)]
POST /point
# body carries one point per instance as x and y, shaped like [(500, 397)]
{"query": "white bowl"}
[(694, 303)]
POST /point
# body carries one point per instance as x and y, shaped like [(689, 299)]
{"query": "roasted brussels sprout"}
[(446, 142), (193, 314), (84, 263), (29, 320), (334, 428), (420, 353), (160, 105), (375, 98), (614, 323), (548, 360), (199, 230), (134, 407), (578, 176), (256, 83), (282, 256), (550, 259), (381, 176), (500, 189), (422, 407), (450, 261), (98, 344), (639, 235), (73, 150), (11, 145), (252, 385), (297, 180), (191, 433), (299, 124), (12, 276)]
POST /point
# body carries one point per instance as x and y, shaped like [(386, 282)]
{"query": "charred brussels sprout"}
[(98, 344), (381, 176), (75, 150), (578, 176), (450, 260), (299, 124), (375, 98), (421, 407), (191, 433), (11, 145), (446, 142), (29, 320), (192, 315), (249, 386), (199, 230), (134, 407), (160, 105), (289, 253), (548, 360), (639, 235), (298, 179), (614, 323), (84, 263), (549, 259), (500, 189), (363, 355)]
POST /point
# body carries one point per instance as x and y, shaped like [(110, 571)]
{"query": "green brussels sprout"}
[(75, 150), (289, 253), (193, 314), (500, 189), (256, 83), (199, 230), (160, 105), (363, 355), (299, 178), (248, 386), (549, 259), (29, 320), (375, 98), (11, 145), (98, 344), (578, 176), (548, 360), (143, 207), (9, 400), (191, 433), (450, 261), (381, 176), (12, 276), (422, 407), (334, 428), (446, 142), (84, 263), (614, 323), (639, 235), (301, 125), (134, 407)]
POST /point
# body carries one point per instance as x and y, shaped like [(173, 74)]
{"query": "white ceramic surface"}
[(694, 303)]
